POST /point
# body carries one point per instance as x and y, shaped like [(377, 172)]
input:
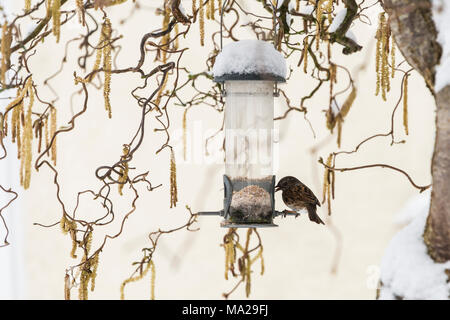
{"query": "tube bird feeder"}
[(249, 71)]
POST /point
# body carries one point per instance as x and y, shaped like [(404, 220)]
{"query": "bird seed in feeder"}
[(251, 204)]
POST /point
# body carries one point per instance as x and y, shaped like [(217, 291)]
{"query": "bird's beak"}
[(277, 188)]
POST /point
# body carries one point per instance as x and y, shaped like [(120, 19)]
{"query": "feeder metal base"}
[(227, 224)]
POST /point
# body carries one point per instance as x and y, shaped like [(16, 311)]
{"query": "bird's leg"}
[(286, 212)]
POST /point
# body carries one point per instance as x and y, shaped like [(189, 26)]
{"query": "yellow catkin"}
[(185, 133), (74, 242), (114, 2), (259, 255), (107, 66), (38, 134), (381, 62), (3, 125), (27, 5), (17, 114), (348, 103), (219, 7), (194, 6), (329, 199), (331, 119), (94, 266), (319, 21), (297, 7), (19, 133), (152, 280), (202, 23), (5, 50), (48, 4), (227, 259), (53, 124), (177, 39), (173, 180), (98, 55), (305, 55), (3, 53), (80, 11), (82, 291), (124, 172), (247, 268), (330, 160), (20, 95), (88, 241), (377, 61), (56, 16), (248, 278), (84, 279), (339, 130), (386, 34), (327, 183), (405, 104), (330, 11), (262, 261), (208, 10), (133, 279), (19, 120), (46, 134), (392, 57), (15, 124), (166, 38), (332, 182), (332, 79), (26, 154), (212, 9), (64, 224), (230, 251), (326, 178), (66, 287), (225, 247)]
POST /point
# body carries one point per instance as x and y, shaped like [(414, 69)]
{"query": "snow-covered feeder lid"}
[(249, 60)]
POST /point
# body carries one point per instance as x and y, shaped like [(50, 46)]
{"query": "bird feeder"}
[(249, 71)]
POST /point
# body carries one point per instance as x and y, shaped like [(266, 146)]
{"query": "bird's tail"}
[(313, 216)]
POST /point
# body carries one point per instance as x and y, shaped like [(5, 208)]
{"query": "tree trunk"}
[(415, 35), (437, 232)]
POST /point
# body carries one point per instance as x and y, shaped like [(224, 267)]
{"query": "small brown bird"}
[(297, 196)]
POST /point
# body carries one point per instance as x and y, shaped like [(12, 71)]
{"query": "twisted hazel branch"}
[(147, 260), (5, 241), (381, 165), (36, 30), (339, 36)]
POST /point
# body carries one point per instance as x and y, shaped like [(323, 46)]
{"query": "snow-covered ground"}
[(406, 269)]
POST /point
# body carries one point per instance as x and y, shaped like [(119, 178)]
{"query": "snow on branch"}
[(441, 17)]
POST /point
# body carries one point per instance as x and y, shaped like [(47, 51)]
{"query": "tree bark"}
[(415, 35), (414, 31), (437, 231)]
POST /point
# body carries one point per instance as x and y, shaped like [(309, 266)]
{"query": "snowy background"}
[(300, 256)]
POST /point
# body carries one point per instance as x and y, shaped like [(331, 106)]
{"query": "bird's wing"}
[(308, 195)]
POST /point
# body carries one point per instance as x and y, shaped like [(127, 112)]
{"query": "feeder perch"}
[(249, 71)]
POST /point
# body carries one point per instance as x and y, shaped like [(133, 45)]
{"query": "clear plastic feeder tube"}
[(249, 149)]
